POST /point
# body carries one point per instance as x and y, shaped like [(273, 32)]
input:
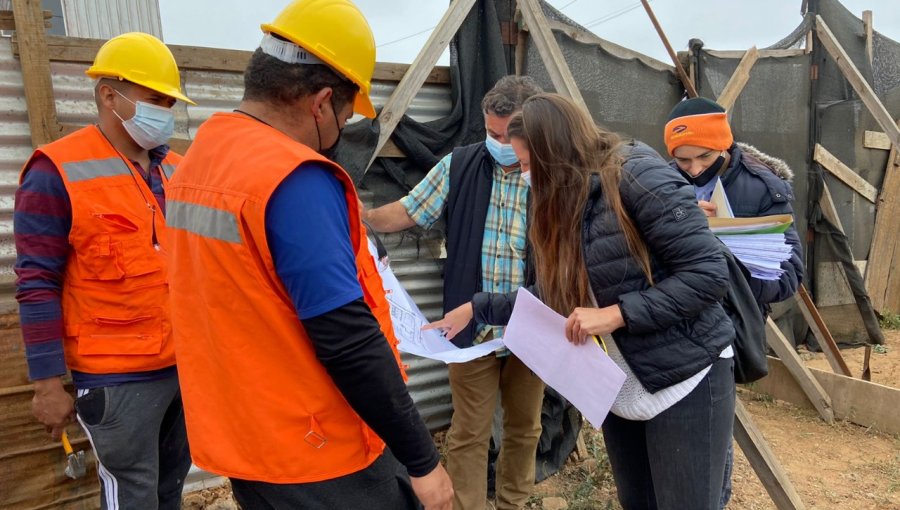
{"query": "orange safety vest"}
[(258, 403), (115, 299)]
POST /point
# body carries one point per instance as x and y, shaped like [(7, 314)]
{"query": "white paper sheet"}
[(584, 374), (723, 207), (408, 321)]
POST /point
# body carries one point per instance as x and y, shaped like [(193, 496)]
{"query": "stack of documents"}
[(757, 242)]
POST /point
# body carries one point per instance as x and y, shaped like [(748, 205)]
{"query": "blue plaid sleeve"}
[(426, 201)]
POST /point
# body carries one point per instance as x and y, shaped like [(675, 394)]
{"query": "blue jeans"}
[(676, 460), (726, 485)]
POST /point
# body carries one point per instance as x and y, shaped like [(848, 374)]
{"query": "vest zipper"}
[(153, 227)]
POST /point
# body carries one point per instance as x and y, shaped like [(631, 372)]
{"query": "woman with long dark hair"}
[(621, 248)]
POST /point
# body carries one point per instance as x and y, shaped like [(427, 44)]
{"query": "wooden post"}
[(855, 400), (828, 208), (859, 84), (412, 81), (738, 80), (882, 282), (785, 351), (844, 173), (30, 36), (763, 461), (868, 29), (679, 69), (521, 51), (559, 71), (820, 331)]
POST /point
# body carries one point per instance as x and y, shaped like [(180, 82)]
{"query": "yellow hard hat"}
[(338, 34), (139, 58)]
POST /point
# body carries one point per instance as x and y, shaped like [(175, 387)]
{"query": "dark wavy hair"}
[(565, 149)]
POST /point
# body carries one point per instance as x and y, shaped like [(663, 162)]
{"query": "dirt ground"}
[(841, 466)]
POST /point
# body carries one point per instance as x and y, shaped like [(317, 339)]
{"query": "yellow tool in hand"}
[(74, 461)]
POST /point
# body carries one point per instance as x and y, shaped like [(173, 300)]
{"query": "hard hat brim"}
[(96, 73), (362, 105)]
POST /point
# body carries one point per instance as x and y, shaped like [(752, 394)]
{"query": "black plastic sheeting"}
[(785, 113), (477, 61), (839, 124)]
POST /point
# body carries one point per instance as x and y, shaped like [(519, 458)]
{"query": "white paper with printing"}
[(408, 322)]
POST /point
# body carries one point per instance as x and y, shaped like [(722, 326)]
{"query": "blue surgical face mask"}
[(151, 125), (502, 153)]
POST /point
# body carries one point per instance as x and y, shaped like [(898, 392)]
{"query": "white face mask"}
[(151, 125)]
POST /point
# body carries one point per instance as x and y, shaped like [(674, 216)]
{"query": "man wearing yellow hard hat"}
[(292, 383), (92, 281)]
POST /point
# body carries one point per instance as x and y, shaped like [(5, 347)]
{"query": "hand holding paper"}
[(455, 321), (583, 374)]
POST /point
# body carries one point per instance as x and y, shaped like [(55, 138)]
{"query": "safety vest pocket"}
[(119, 336)]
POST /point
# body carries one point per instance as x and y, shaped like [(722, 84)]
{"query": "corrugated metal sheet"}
[(15, 147), (415, 266), (103, 19)]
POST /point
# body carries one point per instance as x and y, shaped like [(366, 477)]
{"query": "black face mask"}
[(331, 151), (710, 173)]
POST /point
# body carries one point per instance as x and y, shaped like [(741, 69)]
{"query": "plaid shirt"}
[(505, 227)]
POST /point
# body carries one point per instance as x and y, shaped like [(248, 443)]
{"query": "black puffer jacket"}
[(676, 327)]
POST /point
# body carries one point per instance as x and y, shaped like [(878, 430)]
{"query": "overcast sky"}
[(401, 27)]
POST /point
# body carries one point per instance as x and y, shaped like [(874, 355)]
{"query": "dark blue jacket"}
[(759, 185), (676, 327)]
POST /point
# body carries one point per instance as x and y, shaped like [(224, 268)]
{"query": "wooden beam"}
[(679, 70), (844, 173), (820, 331), (876, 140), (8, 21), (882, 280), (81, 50), (556, 65), (763, 53), (811, 387), (868, 28), (763, 461), (738, 79), (859, 84), (181, 145), (412, 81), (861, 402), (35, 71), (829, 210)]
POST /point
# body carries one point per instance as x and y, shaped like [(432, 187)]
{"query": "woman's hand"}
[(455, 321), (584, 322)]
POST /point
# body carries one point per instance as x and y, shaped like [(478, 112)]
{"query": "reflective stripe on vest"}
[(168, 170), (94, 168), (114, 296), (203, 221)]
